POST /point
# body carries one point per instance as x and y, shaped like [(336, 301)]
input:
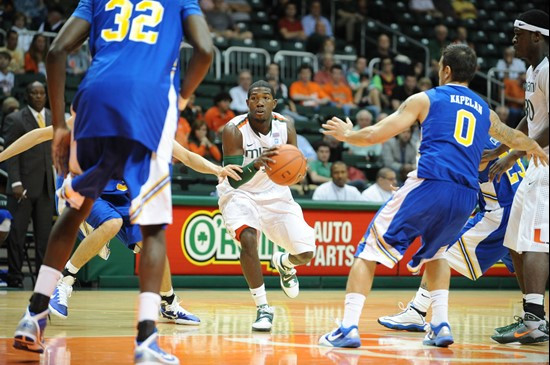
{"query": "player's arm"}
[(198, 36), (413, 109), (202, 165), (291, 133), (490, 155), (72, 35), (27, 141), (516, 139)]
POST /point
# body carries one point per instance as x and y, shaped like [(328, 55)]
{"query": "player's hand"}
[(501, 166), (265, 158), (490, 155), (337, 128), (231, 171), (537, 156), (60, 150)]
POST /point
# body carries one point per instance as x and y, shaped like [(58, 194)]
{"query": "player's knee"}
[(248, 238), (112, 226), (304, 257)]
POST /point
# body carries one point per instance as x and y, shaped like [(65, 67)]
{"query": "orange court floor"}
[(101, 325)]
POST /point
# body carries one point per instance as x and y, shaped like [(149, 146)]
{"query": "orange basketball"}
[(290, 166)]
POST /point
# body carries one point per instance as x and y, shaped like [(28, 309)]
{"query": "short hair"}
[(535, 17), (321, 144), (336, 66), (224, 95), (304, 66), (337, 163), (462, 61), (12, 31), (5, 55), (383, 172), (261, 83), (31, 85)]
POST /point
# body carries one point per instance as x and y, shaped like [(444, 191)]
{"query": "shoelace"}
[(265, 312), (176, 307), (65, 292)]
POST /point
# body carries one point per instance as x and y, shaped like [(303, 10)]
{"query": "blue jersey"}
[(453, 135), (133, 81), (494, 194)]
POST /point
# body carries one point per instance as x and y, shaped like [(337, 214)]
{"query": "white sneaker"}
[(175, 313), (149, 352), (289, 280), (408, 320), (264, 319)]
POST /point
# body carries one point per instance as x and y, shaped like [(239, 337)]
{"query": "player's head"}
[(458, 63), (339, 173), (35, 95), (261, 101), (531, 34)]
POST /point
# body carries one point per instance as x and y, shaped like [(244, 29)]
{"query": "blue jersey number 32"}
[(135, 27)]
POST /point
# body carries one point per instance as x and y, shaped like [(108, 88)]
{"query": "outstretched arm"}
[(202, 165), (27, 141)]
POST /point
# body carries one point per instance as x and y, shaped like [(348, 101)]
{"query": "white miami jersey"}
[(253, 145), (536, 98)]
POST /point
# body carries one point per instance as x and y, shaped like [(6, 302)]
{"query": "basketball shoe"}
[(532, 330), (408, 320), (29, 334), (175, 313), (264, 319), (439, 335), (341, 337), (289, 281), (510, 327), (149, 352), (59, 301)]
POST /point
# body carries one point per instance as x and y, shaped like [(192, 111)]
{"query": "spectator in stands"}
[(78, 62), (439, 42), (290, 27), (401, 93), (336, 148), (418, 69), (199, 143), (386, 81), (383, 48), (368, 96), (192, 112), (462, 37), (54, 20), (309, 21), (6, 76), (425, 84), (337, 189), (399, 154), (514, 95), (35, 57), (316, 41), (20, 26), (464, 9), (338, 91), (306, 92), (9, 105), (353, 75), (217, 116), (239, 93), (274, 71), (372, 153), (504, 113), (382, 189), (182, 134), (319, 169), (17, 62), (32, 9), (510, 66), (284, 106), (240, 10), (7, 12), (350, 14), (424, 7), (222, 24), (323, 76)]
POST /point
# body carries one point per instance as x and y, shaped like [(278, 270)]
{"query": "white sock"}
[(71, 268), (168, 293), (149, 306), (353, 308), (259, 295), (286, 261), (534, 299), (47, 280), (422, 300), (440, 306)]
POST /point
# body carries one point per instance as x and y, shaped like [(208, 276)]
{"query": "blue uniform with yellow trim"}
[(480, 245), (438, 198)]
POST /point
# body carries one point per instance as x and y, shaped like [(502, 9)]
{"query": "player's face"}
[(339, 175), (521, 42), (261, 103)]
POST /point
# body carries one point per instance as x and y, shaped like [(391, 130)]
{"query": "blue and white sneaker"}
[(341, 337), (175, 313), (149, 352), (439, 336), (29, 334), (409, 319), (59, 301)]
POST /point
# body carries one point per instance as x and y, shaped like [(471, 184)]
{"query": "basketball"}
[(290, 167)]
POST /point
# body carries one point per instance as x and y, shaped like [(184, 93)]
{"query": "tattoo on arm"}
[(402, 107)]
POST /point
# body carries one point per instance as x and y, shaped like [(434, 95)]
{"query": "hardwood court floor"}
[(101, 329)]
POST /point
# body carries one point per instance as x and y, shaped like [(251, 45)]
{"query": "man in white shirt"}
[(509, 66), (382, 189), (363, 119), (239, 93), (336, 189)]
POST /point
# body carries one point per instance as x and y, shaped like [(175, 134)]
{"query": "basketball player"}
[(255, 204), (126, 117), (479, 246), (436, 199), (109, 218), (527, 233)]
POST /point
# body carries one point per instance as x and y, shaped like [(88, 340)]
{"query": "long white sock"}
[(353, 308), (422, 300), (47, 280), (259, 295), (286, 261), (440, 306), (149, 305)]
